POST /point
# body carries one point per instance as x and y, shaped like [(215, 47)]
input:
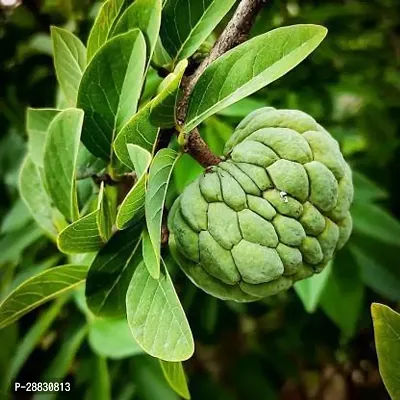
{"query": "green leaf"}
[(32, 338), (134, 201), (100, 388), (310, 290), (60, 159), (16, 218), (37, 123), (111, 271), (122, 344), (141, 130), (61, 363), (106, 19), (110, 90), (159, 177), (365, 190), (242, 108), (69, 62), (175, 376), (160, 56), (144, 15), (249, 67), (375, 222), (104, 215), (39, 289), (147, 369), (186, 24), (343, 295), (387, 339), (150, 259), (34, 194), (156, 317)]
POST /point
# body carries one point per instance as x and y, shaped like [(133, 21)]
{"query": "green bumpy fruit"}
[(272, 213)]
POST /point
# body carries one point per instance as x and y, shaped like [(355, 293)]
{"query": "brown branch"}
[(235, 33)]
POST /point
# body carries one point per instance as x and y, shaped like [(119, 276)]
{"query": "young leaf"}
[(111, 271), (134, 201), (175, 376), (34, 194), (160, 56), (103, 25), (32, 338), (150, 259), (39, 289), (122, 344), (156, 317), (249, 67), (310, 290), (343, 294), (387, 335), (141, 130), (60, 159), (110, 90), (183, 31), (104, 215), (37, 123), (159, 176), (144, 15), (69, 62), (375, 222)]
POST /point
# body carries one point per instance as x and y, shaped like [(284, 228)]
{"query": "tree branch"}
[(235, 33)]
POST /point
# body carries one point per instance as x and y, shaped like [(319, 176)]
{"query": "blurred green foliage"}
[(267, 350)]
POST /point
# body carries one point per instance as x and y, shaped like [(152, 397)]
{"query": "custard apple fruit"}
[(273, 212)]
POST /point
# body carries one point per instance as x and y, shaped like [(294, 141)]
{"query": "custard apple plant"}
[(272, 210)]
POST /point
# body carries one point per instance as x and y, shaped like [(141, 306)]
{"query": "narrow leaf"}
[(150, 259), (104, 215), (310, 290), (32, 338), (103, 25), (34, 194), (111, 271), (144, 15), (249, 67), (387, 339), (156, 317), (183, 31), (122, 344), (110, 90), (133, 203), (37, 123), (141, 130), (175, 376), (69, 61), (60, 160), (39, 289)]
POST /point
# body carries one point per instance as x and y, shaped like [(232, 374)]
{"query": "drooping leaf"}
[(343, 294), (31, 339), (37, 123), (34, 194), (156, 318), (39, 289), (387, 339), (111, 271), (110, 90), (133, 203), (249, 67), (374, 221), (122, 344), (150, 259), (183, 31), (159, 177), (105, 21), (141, 130), (60, 159), (69, 61), (175, 376), (144, 15), (310, 290)]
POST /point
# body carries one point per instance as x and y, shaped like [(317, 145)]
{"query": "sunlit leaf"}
[(39, 289), (387, 339), (110, 90), (156, 318), (175, 376), (249, 67)]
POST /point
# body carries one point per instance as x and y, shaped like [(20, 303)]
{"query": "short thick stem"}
[(198, 149)]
